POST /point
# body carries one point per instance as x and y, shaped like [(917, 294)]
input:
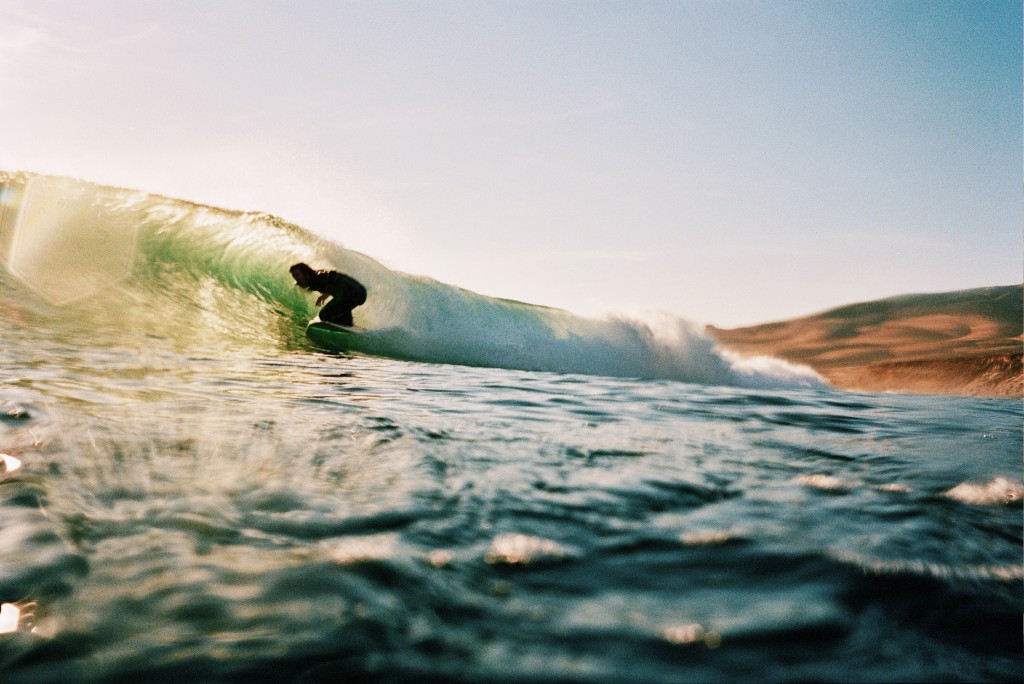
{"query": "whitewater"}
[(190, 488)]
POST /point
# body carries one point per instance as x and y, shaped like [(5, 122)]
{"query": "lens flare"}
[(10, 615), (10, 464)]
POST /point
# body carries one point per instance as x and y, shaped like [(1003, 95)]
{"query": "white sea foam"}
[(824, 482), (443, 323), (522, 549), (999, 490)]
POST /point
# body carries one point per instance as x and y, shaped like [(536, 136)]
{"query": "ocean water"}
[(190, 490)]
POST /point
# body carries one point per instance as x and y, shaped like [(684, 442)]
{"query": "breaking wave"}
[(98, 258)]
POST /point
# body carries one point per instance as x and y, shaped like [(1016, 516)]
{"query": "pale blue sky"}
[(730, 162)]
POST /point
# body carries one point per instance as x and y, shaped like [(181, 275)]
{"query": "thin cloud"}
[(16, 40), (138, 36), (23, 47)]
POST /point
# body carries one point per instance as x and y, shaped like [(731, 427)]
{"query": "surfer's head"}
[(302, 273)]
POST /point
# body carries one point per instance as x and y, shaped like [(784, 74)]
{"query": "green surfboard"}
[(336, 337), (351, 339)]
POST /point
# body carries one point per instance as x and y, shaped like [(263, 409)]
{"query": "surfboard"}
[(391, 342), (336, 337)]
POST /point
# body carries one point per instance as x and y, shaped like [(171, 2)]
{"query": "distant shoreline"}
[(966, 343)]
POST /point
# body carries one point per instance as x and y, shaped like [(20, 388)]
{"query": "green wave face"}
[(113, 264)]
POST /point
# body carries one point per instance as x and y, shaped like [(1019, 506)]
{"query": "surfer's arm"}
[(322, 298)]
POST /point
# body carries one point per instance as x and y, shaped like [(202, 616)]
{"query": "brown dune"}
[(967, 343)]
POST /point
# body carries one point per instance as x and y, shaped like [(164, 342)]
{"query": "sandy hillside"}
[(966, 342)]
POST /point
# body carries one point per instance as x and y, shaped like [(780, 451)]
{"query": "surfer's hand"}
[(321, 299)]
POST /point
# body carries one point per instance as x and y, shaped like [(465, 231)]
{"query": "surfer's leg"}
[(336, 312)]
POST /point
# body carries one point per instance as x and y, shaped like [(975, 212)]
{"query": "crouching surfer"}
[(346, 292)]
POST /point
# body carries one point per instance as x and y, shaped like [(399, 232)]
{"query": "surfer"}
[(346, 292)]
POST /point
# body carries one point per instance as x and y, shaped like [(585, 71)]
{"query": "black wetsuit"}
[(346, 294)]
